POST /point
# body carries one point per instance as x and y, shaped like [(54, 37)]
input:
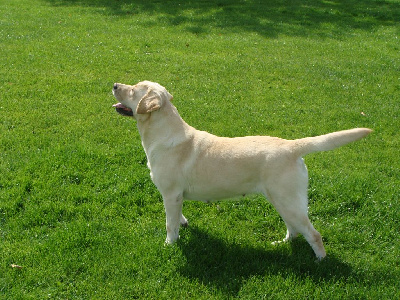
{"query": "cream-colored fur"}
[(186, 163)]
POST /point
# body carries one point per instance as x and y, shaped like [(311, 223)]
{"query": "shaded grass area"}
[(78, 211), (268, 18)]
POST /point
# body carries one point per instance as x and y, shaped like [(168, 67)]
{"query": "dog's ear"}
[(149, 103), (168, 96)]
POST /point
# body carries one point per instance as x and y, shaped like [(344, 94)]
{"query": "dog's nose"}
[(115, 86)]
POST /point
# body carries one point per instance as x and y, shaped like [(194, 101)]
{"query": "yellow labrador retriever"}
[(192, 164)]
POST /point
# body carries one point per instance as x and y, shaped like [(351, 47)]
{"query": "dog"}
[(186, 163)]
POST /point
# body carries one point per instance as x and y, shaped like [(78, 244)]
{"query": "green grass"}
[(78, 210)]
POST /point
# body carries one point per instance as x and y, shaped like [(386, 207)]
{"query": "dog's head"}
[(142, 98)]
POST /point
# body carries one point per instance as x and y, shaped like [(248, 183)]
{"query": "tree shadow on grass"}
[(212, 261), (266, 17)]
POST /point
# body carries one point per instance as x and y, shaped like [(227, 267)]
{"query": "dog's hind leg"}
[(174, 217), (288, 193), (184, 222), (297, 221), (302, 224)]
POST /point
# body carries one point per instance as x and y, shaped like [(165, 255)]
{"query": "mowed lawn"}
[(79, 215)]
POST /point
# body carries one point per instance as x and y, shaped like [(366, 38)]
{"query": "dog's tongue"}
[(121, 106), (123, 110)]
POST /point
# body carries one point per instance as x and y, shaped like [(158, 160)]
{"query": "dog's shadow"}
[(212, 261)]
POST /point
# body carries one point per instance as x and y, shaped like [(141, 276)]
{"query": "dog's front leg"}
[(173, 211)]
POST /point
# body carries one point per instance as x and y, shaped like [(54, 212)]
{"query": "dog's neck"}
[(162, 128)]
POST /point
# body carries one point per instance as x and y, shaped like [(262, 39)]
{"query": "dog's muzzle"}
[(119, 107)]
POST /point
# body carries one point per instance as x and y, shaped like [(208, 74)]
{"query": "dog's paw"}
[(170, 241), (321, 259), (278, 242)]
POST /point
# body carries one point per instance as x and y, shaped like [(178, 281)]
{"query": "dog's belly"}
[(219, 188), (211, 197)]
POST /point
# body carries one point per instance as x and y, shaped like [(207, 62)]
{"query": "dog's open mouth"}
[(123, 110)]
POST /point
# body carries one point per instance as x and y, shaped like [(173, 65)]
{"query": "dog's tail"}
[(329, 141)]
